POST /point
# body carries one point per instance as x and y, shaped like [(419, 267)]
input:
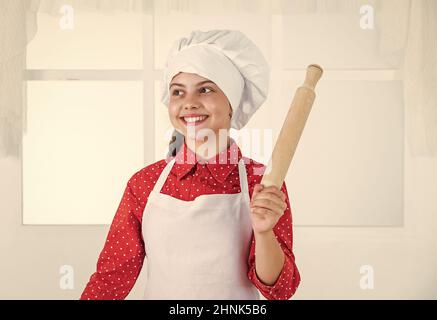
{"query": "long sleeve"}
[(289, 278), (122, 257)]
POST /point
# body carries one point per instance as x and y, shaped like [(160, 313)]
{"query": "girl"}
[(205, 225)]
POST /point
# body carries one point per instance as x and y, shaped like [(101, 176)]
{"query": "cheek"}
[(173, 115), (219, 107), (173, 111), (219, 116), (223, 115)]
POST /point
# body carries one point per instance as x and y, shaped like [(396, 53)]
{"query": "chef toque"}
[(230, 60)]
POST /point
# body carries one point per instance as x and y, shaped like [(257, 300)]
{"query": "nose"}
[(188, 106), (190, 103)]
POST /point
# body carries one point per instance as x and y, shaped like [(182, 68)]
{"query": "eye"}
[(206, 88), (173, 92)]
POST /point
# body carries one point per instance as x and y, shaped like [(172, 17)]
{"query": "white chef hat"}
[(230, 60)]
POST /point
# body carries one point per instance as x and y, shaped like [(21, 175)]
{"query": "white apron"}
[(198, 249)]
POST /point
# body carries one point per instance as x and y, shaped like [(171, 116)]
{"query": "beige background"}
[(359, 195), (329, 258)]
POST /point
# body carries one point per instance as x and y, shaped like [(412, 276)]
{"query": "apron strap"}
[(163, 176), (243, 180)]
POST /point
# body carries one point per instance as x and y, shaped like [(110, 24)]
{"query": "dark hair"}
[(176, 142)]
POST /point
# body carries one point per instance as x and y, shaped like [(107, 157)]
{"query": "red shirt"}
[(122, 257)]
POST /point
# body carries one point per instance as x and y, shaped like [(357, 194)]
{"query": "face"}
[(192, 96)]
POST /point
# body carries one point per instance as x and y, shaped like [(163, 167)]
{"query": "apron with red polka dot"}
[(198, 249)]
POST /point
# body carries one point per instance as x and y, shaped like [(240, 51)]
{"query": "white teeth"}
[(194, 119)]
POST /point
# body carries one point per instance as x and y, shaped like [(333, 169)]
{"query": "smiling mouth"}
[(194, 121)]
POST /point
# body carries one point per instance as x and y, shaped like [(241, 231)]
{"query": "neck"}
[(209, 148)]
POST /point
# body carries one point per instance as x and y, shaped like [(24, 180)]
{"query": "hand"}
[(267, 206)]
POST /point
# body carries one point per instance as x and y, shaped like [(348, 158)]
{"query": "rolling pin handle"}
[(314, 73)]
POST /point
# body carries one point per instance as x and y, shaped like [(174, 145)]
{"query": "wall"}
[(329, 258)]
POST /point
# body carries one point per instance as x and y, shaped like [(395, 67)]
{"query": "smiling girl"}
[(200, 218)]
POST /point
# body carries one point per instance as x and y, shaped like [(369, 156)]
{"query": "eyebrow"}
[(181, 85)]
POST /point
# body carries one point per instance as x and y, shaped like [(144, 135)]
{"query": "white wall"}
[(329, 258)]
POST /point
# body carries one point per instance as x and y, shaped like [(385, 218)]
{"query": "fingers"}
[(267, 207), (267, 200), (271, 189), (257, 189), (257, 212), (267, 197)]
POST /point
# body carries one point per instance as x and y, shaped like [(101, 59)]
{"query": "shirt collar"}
[(220, 165)]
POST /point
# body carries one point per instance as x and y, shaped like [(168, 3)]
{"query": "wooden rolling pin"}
[(292, 128)]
